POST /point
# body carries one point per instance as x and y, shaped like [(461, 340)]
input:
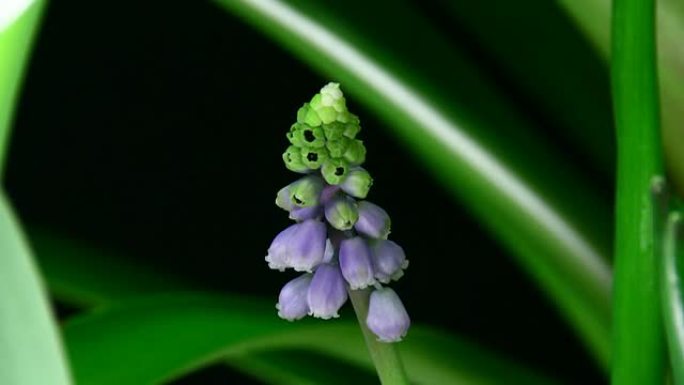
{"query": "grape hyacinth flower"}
[(339, 242)]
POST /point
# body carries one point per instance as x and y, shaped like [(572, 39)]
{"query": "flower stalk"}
[(638, 348)]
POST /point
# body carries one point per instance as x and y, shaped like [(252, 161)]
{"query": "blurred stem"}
[(385, 356), (671, 293), (638, 332), (593, 16)]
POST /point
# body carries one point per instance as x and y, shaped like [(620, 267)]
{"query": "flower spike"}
[(340, 243)]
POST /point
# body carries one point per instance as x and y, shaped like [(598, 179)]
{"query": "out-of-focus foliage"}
[(30, 352), (240, 330), (458, 129), (159, 338)]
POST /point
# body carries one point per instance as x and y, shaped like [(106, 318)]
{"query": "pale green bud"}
[(327, 114), (334, 130), (308, 115), (303, 135), (357, 183), (293, 160), (356, 153), (348, 117), (315, 102), (306, 191), (313, 158), (334, 171), (331, 96), (342, 212), (351, 130), (283, 199), (337, 147)]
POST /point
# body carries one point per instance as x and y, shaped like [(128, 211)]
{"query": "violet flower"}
[(348, 250), (387, 317), (292, 301)]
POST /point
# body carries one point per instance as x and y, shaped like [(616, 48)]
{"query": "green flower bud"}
[(315, 102), (348, 117), (301, 113), (308, 115), (283, 199), (293, 160), (306, 191), (337, 147), (330, 93), (351, 130), (335, 170), (356, 153), (334, 130), (327, 114), (302, 135), (342, 213), (331, 96), (357, 183), (313, 158), (339, 105)]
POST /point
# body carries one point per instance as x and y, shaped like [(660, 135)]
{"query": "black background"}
[(156, 131)]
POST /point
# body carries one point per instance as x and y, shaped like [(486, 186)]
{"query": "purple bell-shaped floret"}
[(387, 317)]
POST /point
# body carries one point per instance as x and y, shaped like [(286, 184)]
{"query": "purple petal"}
[(300, 246), (389, 260), (292, 303), (304, 213), (327, 292), (373, 221), (355, 263), (306, 245), (387, 317), (277, 256)]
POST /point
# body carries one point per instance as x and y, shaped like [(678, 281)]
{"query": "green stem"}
[(385, 356), (672, 295), (638, 356)]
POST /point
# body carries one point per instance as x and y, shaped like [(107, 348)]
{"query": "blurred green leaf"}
[(72, 269), (158, 338), (593, 17), (549, 68), (85, 275), (15, 42), (672, 293), (300, 367), (30, 349), (445, 111)]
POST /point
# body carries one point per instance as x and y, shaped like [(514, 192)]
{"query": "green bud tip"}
[(303, 135), (323, 137), (293, 160), (356, 152), (357, 183), (313, 158), (342, 213), (337, 147), (306, 191), (335, 171)]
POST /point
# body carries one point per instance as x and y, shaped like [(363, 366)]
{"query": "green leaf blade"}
[(15, 42), (159, 338), (672, 292), (30, 348)]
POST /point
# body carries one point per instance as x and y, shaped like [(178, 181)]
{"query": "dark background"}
[(155, 131)]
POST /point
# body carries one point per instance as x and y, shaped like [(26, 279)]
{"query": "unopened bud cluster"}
[(338, 241)]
